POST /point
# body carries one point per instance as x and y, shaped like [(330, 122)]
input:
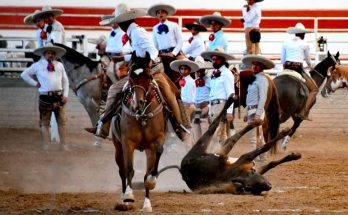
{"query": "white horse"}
[(338, 79)]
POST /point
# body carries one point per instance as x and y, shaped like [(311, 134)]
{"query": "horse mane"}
[(78, 58), (343, 71)]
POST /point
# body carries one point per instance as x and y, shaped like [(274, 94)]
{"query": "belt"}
[(250, 107), (202, 105), (52, 93), (163, 51), (291, 63), (111, 54), (217, 101)]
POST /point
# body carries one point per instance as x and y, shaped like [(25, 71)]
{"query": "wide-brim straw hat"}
[(123, 13), (248, 59), (106, 19), (47, 10), (154, 8), (28, 20), (50, 47), (203, 64), (205, 20), (197, 25), (298, 29), (217, 52), (100, 39), (175, 65)]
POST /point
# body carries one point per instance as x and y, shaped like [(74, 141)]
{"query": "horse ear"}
[(337, 55), (147, 56), (328, 53)]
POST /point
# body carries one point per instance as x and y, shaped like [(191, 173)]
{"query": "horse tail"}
[(168, 167), (273, 117)]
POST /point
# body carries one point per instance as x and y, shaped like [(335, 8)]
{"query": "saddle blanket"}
[(292, 73)]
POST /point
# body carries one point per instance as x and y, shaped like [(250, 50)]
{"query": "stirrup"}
[(99, 128)]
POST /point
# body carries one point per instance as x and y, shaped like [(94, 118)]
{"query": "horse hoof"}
[(128, 195), (124, 207), (150, 182), (285, 143), (147, 205)]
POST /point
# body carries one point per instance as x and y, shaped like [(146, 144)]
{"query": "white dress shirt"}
[(252, 18), (141, 42), (257, 93), (168, 40), (57, 34), (202, 93), (49, 81), (295, 50), (188, 92), (114, 43), (222, 87), (195, 48)]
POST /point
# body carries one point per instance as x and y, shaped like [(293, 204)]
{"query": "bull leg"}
[(230, 142), (249, 157), (272, 164), (201, 145)]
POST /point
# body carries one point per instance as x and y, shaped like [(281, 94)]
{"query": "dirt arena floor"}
[(85, 179)]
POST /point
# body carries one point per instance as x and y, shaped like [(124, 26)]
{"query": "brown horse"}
[(338, 79), (140, 125)]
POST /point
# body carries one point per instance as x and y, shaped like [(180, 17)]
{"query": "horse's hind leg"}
[(286, 139)]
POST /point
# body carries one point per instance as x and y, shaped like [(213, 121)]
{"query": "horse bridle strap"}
[(144, 116), (84, 81), (318, 73)]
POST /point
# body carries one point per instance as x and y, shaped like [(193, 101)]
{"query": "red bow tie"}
[(190, 40), (50, 66), (125, 39), (182, 82), (216, 74), (200, 82), (211, 37)]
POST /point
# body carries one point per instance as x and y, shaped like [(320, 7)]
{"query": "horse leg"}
[(286, 139), (128, 155), (150, 178)]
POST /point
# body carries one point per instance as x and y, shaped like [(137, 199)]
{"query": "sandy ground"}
[(85, 179)]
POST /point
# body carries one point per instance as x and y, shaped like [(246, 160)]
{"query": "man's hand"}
[(118, 58), (257, 121), (64, 100), (229, 117), (38, 85)]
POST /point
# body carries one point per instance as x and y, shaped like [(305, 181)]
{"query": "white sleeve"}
[(27, 74), (179, 41), (283, 54), (229, 87), (65, 81), (307, 55), (191, 46)]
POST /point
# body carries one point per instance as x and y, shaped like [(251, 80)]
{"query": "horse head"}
[(320, 71), (140, 83), (338, 78)]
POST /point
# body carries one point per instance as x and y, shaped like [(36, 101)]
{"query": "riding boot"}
[(45, 136), (311, 98), (184, 116)]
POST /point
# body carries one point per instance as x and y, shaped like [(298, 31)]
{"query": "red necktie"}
[(182, 82), (216, 73), (200, 82), (125, 39), (50, 66), (43, 35), (190, 40), (211, 37)]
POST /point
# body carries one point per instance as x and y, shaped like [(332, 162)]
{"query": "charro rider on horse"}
[(141, 43), (292, 55)]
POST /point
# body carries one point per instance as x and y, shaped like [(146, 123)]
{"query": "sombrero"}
[(175, 65), (197, 25), (106, 19), (298, 29), (205, 20), (124, 13), (28, 20), (50, 47), (203, 64), (153, 9), (217, 52), (248, 59), (47, 10), (101, 38)]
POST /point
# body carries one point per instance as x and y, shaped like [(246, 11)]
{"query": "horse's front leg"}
[(128, 155), (153, 157)]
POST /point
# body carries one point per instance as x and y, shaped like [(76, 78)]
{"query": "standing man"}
[(256, 99), (221, 87), (218, 39), (293, 53), (53, 85), (251, 19), (196, 42), (54, 29), (166, 34), (141, 43), (40, 33), (188, 88)]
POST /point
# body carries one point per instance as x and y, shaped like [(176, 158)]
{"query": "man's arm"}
[(179, 41), (262, 86), (27, 74)]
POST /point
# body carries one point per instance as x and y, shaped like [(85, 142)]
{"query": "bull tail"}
[(168, 167)]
